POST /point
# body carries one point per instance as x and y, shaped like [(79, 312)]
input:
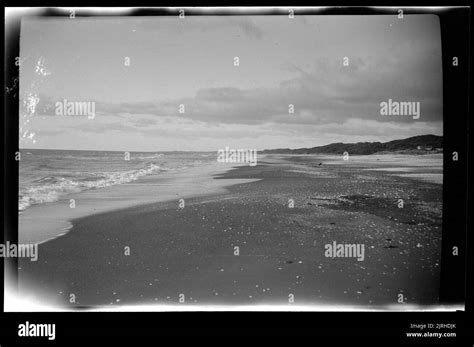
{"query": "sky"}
[(139, 70)]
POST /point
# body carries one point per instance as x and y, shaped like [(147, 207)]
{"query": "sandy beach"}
[(45, 222), (188, 256)]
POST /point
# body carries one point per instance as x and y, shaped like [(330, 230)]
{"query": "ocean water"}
[(49, 175)]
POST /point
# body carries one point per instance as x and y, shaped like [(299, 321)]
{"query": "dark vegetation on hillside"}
[(425, 143)]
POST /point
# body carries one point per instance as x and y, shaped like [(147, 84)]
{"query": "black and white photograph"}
[(235, 162)]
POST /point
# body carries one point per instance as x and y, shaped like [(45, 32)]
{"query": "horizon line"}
[(211, 151)]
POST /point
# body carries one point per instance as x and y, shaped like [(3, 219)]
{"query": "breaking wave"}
[(52, 188)]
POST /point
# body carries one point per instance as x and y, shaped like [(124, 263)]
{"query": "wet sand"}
[(190, 253), (44, 222)]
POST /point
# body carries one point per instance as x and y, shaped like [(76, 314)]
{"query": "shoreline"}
[(34, 227), (44, 222), (281, 249)]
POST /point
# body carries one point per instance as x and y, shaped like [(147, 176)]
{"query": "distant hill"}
[(421, 144)]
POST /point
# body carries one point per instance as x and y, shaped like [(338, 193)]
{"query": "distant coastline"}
[(422, 144)]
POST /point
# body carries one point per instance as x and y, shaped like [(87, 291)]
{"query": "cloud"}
[(327, 92), (175, 64), (330, 92)]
